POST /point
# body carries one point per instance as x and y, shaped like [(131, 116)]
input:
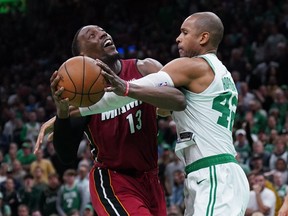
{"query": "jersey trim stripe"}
[(106, 193), (213, 189), (95, 191)]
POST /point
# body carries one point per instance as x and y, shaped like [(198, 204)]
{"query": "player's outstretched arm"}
[(48, 127), (167, 98)]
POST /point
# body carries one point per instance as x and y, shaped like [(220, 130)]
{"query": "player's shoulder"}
[(148, 65), (186, 63)]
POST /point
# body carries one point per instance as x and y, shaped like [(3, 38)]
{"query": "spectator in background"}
[(82, 182), (41, 115), (242, 145), (23, 210), (280, 151), (281, 104), (236, 77), (28, 194), (171, 167), (275, 37), (32, 103), (258, 150), (280, 186), (3, 172), (272, 124), (27, 158), (262, 96), (177, 195), (45, 164), (281, 166), (9, 126), (10, 195), (88, 211), (174, 210), (246, 95), (261, 198), (70, 196), (31, 128), (18, 172), (48, 197), (259, 116), (5, 209), (245, 166), (12, 155), (39, 179)]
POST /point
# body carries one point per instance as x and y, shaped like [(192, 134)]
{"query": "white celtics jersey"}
[(204, 128)]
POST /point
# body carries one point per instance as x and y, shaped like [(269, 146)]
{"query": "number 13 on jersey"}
[(135, 122)]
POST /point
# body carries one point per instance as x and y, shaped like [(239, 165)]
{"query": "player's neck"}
[(116, 66)]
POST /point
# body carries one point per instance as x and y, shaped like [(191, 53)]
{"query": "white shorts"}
[(217, 190)]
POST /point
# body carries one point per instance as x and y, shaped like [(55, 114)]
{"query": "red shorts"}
[(114, 193)]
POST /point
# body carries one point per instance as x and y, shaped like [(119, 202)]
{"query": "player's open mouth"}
[(180, 50), (108, 43)]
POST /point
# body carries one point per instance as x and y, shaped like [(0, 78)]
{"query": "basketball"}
[(82, 81)]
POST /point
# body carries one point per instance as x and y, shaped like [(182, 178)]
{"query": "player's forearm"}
[(148, 89), (66, 139), (168, 98), (109, 101)]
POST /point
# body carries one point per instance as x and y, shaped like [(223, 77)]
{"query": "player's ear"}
[(204, 38)]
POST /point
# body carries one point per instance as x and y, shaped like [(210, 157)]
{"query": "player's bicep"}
[(182, 71)]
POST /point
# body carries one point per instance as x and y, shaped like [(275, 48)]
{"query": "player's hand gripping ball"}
[(82, 81)]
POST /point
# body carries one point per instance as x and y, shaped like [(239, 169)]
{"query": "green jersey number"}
[(224, 104)]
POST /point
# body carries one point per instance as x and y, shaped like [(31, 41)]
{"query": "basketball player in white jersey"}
[(215, 184)]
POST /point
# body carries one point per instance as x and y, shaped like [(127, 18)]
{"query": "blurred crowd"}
[(37, 41)]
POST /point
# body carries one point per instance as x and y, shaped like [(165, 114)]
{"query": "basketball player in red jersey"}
[(124, 179)]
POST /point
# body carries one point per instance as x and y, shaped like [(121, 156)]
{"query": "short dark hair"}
[(75, 44), (28, 176)]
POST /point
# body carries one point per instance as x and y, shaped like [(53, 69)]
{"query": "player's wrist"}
[(126, 89), (63, 114)]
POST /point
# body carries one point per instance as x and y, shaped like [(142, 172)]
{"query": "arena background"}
[(36, 39)]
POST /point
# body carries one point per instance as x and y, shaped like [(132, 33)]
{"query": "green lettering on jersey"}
[(224, 104), (228, 84)]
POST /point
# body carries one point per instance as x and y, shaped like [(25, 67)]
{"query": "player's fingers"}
[(54, 83), (39, 140), (109, 89), (59, 91), (38, 144), (106, 75), (109, 79), (50, 137), (53, 76)]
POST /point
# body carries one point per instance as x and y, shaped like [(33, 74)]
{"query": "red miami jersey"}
[(125, 139)]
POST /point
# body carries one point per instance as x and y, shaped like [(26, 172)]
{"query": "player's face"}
[(96, 43), (189, 39)]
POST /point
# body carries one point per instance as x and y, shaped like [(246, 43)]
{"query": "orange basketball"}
[(82, 81)]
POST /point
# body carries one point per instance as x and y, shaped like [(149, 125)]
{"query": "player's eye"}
[(91, 36)]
